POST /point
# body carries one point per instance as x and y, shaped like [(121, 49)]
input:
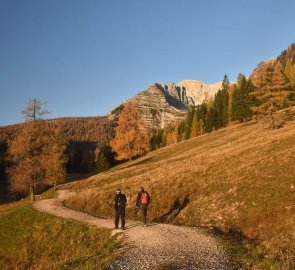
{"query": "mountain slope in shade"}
[(166, 103)]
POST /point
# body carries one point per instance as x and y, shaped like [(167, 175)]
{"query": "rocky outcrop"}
[(157, 107), (198, 91), (165, 103)]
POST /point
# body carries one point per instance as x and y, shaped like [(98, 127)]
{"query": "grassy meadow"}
[(33, 240), (239, 180)]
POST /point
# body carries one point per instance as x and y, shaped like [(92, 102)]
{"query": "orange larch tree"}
[(37, 154), (131, 137), (271, 89)]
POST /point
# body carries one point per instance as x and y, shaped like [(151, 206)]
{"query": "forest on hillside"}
[(270, 87), (85, 137)]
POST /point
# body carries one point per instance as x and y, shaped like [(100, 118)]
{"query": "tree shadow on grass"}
[(135, 163), (175, 209)]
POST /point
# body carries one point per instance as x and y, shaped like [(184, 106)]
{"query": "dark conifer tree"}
[(179, 130), (224, 101), (156, 139), (220, 106), (105, 159), (86, 164), (242, 100), (209, 119), (188, 123)]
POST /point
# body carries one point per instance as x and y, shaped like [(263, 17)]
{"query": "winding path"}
[(157, 246)]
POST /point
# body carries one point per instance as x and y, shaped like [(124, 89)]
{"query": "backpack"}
[(121, 200), (144, 198)]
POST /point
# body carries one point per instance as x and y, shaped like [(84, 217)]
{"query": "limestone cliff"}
[(165, 103)]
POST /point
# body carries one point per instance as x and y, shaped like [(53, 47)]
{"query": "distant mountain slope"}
[(95, 129), (165, 103)]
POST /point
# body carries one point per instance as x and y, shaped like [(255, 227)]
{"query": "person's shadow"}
[(175, 209), (139, 224)]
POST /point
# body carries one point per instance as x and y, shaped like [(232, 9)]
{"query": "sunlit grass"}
[(30, 239), (239, 179)]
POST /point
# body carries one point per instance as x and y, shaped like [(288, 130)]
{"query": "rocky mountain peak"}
[(165, 103)]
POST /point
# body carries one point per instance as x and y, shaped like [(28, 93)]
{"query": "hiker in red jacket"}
[(142, 201)]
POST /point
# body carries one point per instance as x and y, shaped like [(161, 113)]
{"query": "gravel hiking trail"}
[(158, 246)]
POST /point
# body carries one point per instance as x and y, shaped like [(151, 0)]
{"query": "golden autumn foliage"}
[(271, 88), (289, 70), (130, 138), (37, 158)]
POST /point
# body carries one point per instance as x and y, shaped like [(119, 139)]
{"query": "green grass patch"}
[(48, 194), (30, 239)]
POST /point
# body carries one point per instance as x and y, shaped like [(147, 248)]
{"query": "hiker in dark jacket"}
[(142, 201), (119, 206)]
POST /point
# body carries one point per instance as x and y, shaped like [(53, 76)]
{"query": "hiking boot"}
[(116, 228), (123, 228)]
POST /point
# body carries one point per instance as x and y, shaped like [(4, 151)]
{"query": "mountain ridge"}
[(162, 104)]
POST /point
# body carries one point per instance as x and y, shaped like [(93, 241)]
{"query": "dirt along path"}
[(158, 246)]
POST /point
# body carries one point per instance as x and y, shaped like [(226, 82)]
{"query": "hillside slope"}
[(241, 178)]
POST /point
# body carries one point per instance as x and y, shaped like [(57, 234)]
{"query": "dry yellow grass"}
[(241, 178)]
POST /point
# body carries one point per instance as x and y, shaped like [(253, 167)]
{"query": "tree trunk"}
[(32, 195), (272, 119)]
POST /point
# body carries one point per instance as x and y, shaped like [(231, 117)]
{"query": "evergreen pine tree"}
[(188, 123), (195, 130), (105, 159), (202, 126), (180, 131), (220, 106), (86, 164), (225, 101), (241, 100), (209, 119)]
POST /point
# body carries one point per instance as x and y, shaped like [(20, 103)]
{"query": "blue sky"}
[(86, 57)]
